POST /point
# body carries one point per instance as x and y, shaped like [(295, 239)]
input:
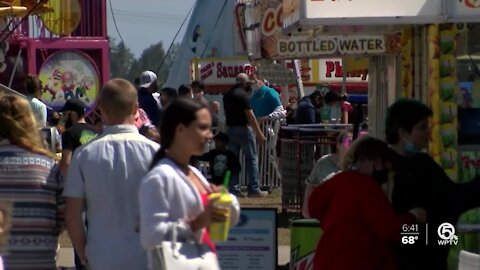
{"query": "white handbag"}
[(189, 255)]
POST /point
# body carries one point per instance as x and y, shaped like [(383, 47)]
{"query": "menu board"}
[(252, 243)]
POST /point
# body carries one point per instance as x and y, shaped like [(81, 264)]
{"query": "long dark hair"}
[(33, 85), (180, 111)]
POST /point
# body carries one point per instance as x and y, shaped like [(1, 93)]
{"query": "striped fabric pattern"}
[(33, 185)]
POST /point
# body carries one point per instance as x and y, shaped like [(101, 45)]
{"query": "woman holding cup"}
[(175, 195)]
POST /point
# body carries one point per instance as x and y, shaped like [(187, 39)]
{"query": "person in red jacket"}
[(360, 228)]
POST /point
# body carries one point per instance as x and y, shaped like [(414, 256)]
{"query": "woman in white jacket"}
[(174, 193)]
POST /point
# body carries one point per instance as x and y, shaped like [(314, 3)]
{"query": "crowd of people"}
[(123, 179), (127, 179), (323, 106), (364, 195)]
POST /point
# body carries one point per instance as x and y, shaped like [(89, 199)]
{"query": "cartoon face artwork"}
[(81, 90), (69, 74), (53, 86), (219, 165), (68, 81)]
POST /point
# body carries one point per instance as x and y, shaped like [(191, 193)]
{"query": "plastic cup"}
[(219, 230)]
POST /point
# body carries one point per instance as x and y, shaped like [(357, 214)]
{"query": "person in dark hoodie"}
[(360, 228), (306, 112), (420, 181)]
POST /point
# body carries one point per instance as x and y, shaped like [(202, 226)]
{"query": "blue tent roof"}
[(204, 33)]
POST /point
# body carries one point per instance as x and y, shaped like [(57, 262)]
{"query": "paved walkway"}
[(65, 258)]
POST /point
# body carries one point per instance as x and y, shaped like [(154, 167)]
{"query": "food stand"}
[(438, 37)]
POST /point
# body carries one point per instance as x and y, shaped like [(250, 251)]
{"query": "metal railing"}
[(301, 147), (7, 90), (269, 173)]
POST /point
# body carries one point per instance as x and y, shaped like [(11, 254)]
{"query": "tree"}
[(151, 58), (121, 60)]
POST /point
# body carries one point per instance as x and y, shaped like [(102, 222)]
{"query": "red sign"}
[(221, 71), (472, 3), (333, 69), (272, 21), (469, 162)]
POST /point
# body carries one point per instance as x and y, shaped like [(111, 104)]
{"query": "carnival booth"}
[(437, 64), (64, 42)]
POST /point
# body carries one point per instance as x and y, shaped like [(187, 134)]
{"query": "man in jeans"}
[(241, 123)]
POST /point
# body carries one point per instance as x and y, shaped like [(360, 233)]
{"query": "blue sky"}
[(146, 22)]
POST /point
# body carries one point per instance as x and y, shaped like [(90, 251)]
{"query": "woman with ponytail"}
[(174, 193), (30, 182)]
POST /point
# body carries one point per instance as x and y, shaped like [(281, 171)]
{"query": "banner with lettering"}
[(302, 46), (210, 33), (264, 27), (330, 70), (220, 71)]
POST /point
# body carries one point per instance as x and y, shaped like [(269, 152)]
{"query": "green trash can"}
[(304, 236)]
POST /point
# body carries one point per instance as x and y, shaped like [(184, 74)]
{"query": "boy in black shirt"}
[(77, 132), (221, 159)]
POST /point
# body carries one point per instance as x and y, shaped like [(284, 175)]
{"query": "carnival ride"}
[(22, 8), (64, 42)]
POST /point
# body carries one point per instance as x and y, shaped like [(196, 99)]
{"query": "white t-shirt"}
[(324, 168)]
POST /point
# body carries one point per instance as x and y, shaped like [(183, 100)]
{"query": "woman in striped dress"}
[(28, 180)]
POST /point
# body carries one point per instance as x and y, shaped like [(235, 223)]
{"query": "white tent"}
[(211, 32)]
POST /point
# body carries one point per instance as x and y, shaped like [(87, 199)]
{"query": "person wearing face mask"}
[(360, 228), (265, 101), (243, 130), (420, 181)]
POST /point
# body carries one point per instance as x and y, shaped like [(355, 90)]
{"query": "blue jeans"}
[(243, 138)]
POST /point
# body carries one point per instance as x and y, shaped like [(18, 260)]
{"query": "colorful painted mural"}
[(69, 74)]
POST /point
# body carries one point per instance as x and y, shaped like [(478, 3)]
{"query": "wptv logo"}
[(446, 232)]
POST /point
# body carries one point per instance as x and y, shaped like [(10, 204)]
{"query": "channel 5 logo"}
[(446, 232)]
